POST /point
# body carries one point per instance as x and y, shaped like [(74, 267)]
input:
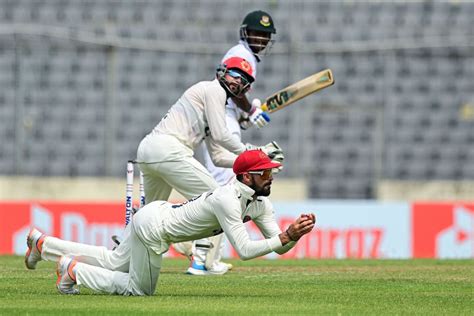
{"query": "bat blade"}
[(298, 90)]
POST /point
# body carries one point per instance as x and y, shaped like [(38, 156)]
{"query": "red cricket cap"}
[(253, 160)]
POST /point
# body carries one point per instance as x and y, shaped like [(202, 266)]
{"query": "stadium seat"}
[(67, 87)]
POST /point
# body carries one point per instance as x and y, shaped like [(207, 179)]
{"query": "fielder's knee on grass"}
[(117, 262), (145, 285), (102, 280)]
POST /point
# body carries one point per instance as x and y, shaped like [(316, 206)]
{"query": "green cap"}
[(258, 21)]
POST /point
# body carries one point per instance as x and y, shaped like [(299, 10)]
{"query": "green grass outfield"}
[(256, 287)]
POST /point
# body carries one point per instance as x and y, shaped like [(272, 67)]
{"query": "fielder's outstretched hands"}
[(257, 117), (301, 226)]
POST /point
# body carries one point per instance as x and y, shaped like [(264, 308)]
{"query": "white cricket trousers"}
[(168, 164), (190, 178), (116, 260), (144, 263)]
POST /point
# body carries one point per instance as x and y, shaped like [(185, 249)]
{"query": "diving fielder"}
[(166, 154), (160, 223)]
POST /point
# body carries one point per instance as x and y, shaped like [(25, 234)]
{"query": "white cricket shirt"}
[(200, 114), (224, 209)]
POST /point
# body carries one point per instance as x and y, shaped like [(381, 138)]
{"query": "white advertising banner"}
[(355, 229), (344, 229), (347, 229)]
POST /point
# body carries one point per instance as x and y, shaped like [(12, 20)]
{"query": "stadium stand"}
[(84, 81)]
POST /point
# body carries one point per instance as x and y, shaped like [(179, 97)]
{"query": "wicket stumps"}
[(129, 211)]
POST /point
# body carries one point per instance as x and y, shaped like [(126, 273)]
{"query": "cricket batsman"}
[(255, 31)]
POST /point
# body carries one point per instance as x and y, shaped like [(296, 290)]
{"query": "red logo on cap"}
[(245, 65), (253, 160)]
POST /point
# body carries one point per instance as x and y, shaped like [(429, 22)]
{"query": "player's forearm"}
[(247, 248), (220, 157), (258, 248), (215, 114), (223, 160), (286, 239), (284, 249), (253, 249), (222, 137), (287, 243), (243, 103)]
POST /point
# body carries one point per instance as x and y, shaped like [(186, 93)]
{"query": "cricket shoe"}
[(228, 265), (66, 276), (34, 241), (198, 269)]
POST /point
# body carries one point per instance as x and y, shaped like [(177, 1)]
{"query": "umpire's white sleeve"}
[(229, 217)]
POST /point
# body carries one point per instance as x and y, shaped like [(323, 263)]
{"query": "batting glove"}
[(257, 116), (244, 121)]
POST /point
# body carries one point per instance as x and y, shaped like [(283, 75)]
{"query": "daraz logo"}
[(443, 230), (457, 241), (74, 226)]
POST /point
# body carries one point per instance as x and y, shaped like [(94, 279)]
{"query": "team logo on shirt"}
[(207, 131), (265, 20)]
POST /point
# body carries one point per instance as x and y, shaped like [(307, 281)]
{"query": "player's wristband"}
[(289, 236)]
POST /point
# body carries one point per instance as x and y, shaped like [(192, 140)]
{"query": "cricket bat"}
[(298, 90)]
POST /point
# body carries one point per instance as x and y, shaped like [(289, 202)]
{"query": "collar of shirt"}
[(245, 191), (246, 45), (245, 195)]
